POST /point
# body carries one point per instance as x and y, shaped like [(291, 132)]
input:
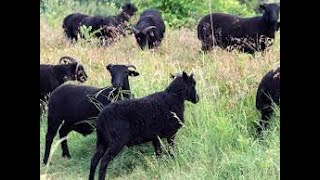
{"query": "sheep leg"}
[(263, 53), (51, 132), (111, 152), (250, 51), (157, 147), (63, 132), (264, 122), (100, 150), (206, 46), (171, 145), (42, 106)]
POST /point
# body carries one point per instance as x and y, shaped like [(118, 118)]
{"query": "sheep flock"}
[(113, 114)]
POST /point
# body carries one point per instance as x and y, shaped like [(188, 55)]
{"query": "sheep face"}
[(75, 69), (81, 74), (271, 12), (278, 26), (277, 74), (145, 37), (129, 9), (189, 86), (119, 75)]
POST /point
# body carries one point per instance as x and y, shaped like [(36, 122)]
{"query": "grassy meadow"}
[(217, 141)]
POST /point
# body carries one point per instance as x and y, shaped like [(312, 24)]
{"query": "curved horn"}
[(67, 60), (148, 28), (130, 65), (136, 31), (77, 69)]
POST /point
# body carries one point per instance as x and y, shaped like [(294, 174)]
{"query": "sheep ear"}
[(184, 75), (109, 66), (133, 73), (172, 76), (262, 6), (278, 26)]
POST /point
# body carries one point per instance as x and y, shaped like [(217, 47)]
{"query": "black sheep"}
[(268, 93), (71, 24), (72, 106), (52, 76), (109, 27), (149, 30), (244, 34), (136, 121)]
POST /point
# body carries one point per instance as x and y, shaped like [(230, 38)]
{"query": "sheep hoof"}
[(66, 156), (172, 156), (157, 155)]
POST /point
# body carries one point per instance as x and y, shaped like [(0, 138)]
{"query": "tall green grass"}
[(216, 141)]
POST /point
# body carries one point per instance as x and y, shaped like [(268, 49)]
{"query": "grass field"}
[(217, 139)]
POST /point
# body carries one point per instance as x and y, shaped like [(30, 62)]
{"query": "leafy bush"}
[(185, 13), (176, 13), (251, 4), (55, 10)]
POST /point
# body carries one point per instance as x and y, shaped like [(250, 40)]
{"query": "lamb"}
[(110, 27), (136, 121), (268, 93), (52, 76), (248, 35), (149, 30), (72, 106)]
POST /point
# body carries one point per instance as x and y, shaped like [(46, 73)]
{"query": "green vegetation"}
[(216, 141)]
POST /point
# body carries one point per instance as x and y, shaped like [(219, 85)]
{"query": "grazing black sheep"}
[(245, 34), (268, 93), (149, 30), (72, 106), (136, 121), (110, 27), (71, 24), (52, 76)]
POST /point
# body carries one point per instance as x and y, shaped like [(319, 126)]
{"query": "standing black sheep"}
[(268, 93), (110, 26), (71, 24), (136, 121), (77, 104), (149, 30), (52, 76), (245, 34)]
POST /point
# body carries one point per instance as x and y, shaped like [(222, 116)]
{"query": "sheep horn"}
[(77, 69), (67, 60), (148, 28), (136, 31), (130, 65)]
